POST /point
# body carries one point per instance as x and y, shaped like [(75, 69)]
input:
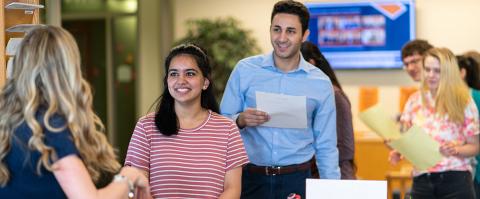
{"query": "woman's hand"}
[(449, 149), (140, 181), (394, 157)]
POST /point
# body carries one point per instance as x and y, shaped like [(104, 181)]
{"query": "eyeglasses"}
[(413, 61)]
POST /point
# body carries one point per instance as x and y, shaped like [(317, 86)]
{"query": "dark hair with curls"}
[(165, 117), (472, 77), (294, 8), (417, 46), (311, 51)]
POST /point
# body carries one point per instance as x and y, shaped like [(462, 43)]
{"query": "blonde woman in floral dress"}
[(445, 110)]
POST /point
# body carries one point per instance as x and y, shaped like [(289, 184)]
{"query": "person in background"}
[(281, 157), (413, 53), (52, 143), (470, 72), (185, 147), (345, 139), (444, 109), (475, 55)]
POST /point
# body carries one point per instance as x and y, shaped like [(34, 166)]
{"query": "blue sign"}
[(362, 34)]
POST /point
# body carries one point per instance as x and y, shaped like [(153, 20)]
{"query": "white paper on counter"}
[(346, 189)]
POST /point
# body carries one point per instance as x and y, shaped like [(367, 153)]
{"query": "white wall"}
[(149, 55), (446, 23)]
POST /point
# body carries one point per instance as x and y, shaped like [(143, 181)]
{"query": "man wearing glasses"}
[(412, 57)]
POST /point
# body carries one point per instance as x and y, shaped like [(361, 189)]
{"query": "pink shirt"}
[(191, 164), (442, 130)]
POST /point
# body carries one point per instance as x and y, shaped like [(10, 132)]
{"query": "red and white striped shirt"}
[(191, 164)]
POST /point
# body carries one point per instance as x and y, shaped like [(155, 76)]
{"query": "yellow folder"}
[(415, 145)]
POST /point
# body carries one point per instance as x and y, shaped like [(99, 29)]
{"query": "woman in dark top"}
[(345, 141), (52, 144)]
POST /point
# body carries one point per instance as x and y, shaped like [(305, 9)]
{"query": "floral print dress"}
[(441, 129)]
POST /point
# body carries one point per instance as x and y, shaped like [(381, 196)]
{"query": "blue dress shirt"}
[(270, 146)]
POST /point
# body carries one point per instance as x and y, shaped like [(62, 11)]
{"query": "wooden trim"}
[(10, 18), (3, 68)]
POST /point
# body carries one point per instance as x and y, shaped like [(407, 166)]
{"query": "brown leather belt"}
[(277, 170)]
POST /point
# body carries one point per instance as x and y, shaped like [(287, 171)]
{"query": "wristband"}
[(131, 187)]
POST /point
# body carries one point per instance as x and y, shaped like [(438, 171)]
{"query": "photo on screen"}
[(362, 34)]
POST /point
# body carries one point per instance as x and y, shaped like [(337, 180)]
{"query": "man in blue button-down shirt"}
[(280, 157)]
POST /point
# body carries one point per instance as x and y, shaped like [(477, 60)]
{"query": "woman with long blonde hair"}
[(445, 110), (52, 143)]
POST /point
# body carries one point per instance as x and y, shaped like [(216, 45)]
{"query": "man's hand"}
[(252, 117)]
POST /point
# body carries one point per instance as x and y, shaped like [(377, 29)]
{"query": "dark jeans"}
[(443, 185), (256, 186)]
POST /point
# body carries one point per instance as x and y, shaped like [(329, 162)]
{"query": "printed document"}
[(285, 111)]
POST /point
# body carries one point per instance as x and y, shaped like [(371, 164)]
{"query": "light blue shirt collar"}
[(302, 65)]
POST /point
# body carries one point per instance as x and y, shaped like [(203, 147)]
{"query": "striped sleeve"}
[(138, 153), (236, 154)]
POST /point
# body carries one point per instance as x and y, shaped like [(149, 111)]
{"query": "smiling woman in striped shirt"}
[(186, 148)]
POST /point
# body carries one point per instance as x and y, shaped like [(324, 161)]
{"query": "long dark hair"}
[(165, 117), (311, 51), (472, 77)]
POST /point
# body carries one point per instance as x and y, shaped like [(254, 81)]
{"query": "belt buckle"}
[(274, 168)]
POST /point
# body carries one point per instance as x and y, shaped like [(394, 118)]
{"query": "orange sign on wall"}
[(405, 92), (368, 96)]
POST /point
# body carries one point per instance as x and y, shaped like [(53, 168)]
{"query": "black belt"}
[(278, 170), (436, 176)]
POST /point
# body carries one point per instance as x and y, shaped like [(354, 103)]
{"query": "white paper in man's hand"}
[(285, 111)]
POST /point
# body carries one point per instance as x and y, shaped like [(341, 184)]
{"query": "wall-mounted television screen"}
[(362, 34)]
